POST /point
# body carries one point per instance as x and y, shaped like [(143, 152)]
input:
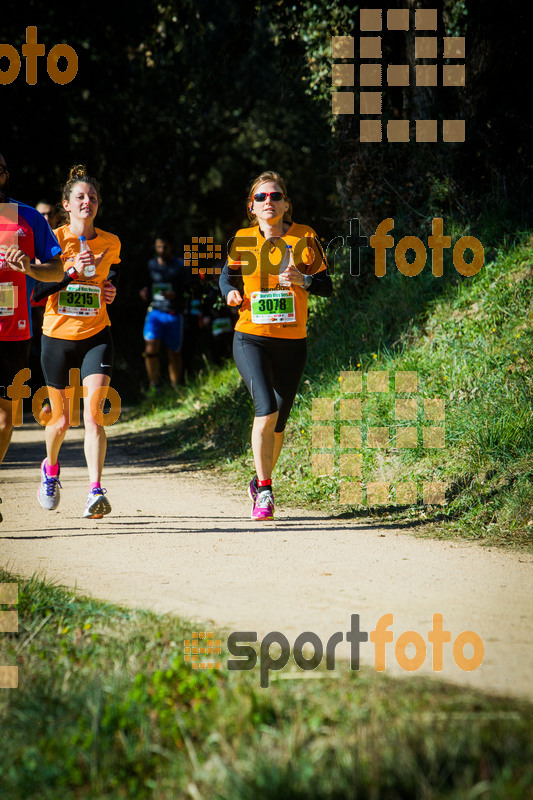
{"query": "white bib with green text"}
[(273, 307), (79, 300)]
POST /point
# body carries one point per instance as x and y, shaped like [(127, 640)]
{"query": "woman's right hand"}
[(83, 260), (234, 298)]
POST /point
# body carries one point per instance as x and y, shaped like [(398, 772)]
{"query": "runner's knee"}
[(151, 348), (266, 422), (88, 407), (91, 425), (63, 423)]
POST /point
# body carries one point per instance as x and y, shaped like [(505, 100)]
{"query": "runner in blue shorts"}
[(165, 326), (168, 280)]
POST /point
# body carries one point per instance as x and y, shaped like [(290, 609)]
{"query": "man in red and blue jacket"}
[(24, 236)]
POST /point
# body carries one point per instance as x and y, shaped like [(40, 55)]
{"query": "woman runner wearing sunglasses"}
[(280, 262), (76, 333)]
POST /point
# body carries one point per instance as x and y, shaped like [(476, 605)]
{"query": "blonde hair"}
[(274, 177)]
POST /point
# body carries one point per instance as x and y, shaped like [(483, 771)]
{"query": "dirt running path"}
[(181, 542)]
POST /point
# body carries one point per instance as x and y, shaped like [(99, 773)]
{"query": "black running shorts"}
[(92, 356), (14, 356), (271, 369)]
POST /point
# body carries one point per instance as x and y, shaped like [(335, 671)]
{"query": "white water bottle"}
[(282, 281), (90, 269)]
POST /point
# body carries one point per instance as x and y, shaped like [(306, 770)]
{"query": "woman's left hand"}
[(293, 275), (108, 292)]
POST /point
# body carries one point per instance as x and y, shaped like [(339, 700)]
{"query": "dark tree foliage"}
[(492, 167), (179, 103), (176, 106), (499, 151)]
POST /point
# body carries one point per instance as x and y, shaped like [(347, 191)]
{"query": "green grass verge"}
[(107, 708), (470, 342)]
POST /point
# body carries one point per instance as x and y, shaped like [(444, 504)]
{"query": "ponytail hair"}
[(78, 174)]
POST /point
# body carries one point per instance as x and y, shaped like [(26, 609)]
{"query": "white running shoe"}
[(97, 505), (48, 493)]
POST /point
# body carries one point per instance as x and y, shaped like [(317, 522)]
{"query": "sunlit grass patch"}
[(108, 708)]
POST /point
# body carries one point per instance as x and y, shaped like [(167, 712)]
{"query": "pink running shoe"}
[(264, 506), (253, 490)]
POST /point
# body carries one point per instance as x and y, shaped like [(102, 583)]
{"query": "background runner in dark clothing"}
[(166, 287)]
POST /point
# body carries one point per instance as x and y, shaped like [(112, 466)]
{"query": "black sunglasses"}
[(3, 169), (260, 197)]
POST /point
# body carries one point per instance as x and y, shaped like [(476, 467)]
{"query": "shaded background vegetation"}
[(177, 105)]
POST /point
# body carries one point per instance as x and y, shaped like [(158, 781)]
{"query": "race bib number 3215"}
[(77, 300)]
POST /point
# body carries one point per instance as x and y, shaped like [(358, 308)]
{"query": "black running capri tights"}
[(271, 369)]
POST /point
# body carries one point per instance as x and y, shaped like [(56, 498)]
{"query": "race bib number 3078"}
[(273, 307)]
